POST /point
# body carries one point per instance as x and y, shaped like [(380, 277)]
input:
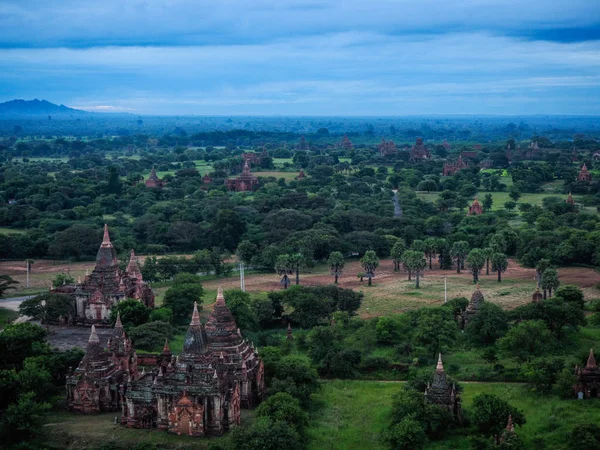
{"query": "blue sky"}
[(304, 57)]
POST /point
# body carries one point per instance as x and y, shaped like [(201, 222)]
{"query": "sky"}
[(304, 57)]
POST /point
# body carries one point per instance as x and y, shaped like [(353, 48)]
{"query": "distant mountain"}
[(25, 108)]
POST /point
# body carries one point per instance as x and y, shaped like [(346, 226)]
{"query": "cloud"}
[(304, 56)]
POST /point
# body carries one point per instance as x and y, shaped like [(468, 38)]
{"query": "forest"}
[(334, 202)]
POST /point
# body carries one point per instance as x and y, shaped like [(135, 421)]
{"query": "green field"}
[(353, 413), (4, 230)]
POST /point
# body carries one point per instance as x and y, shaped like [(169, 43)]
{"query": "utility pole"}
[(445, 291), (242, 278)]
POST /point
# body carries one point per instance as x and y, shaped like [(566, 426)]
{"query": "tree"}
[(6, 284), (62, 278), (584, 436), (487, 202), (542, 265), (266, 434), (490, 414), (499, 264), (297, 377), (246, 250), (180, 297), (133, 313), (431, 249), (20, 341), (282, 407), (408, 434), (57, 306), (435, 328), (564, 383), (398, 248), (487, 252), (23, 420), (369, 262), (550, 281), (415, 263), (514, 193), (489, 324), (240, 305), (336, 264), (571, 294), (510, 205), (475, 262), (284, 267), (527, 340), (151, 336), (297, 260), (459, 251)]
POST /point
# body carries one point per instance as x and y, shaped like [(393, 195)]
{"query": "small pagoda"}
[(473, 306), (570, 200), (537, 296), (387, 148), (584, 174), (450, 168), (475, 209), (442, 393), (245, 182), (153, 181), (419, 151), (588, 379)]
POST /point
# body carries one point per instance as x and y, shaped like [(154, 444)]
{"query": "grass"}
[(80, 431), (7, 316), (5, 230), (352, 414)]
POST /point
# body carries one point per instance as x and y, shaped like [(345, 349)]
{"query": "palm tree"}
[(414, 262), (369, 263), (459, 251), (475, 262), (396, 253), (499, 264), (297, 260), (488, 252), (284, 267), (550, 281), (431, 248), (336, 264)]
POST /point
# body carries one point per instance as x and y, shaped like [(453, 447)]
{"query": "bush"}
[(161, 315), (133, 313), (151, 336)]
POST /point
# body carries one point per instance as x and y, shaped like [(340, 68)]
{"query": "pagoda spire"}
[(220, 296), (289, 336), (106, 239), (93, 337), (510, 426), (118, 323), (591, 362), (195, 316), (166, 348), (440, 365)]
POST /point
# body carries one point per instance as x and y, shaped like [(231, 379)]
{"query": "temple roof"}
[(591, 362), (153, 175), (106, 256), (133, 268), (196, 341), (221, 326)]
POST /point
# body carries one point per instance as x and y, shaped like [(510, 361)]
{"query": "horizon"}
[(306, 59)]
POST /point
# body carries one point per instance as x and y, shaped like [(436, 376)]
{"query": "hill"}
[(36, 108)]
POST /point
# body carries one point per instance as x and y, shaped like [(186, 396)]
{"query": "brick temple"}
[(245, 182), (475, 209), (419, 151), (584, 174), (106, 286), (588, 379), (450, 168), (153, 181), (199, 392), (441, 393)]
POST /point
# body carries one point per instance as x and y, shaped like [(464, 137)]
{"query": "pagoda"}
[(199, 392), (94, 386), (473, 306), (584, 174), (245, 182), (588, 379), (475, 209), (441, 393), (106, 286), (301, 175), (537, 296), (153, 181), (346, 143), (387, 148), (570, 200), (419, 151), (452, 168)]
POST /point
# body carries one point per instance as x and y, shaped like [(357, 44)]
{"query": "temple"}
[(197, 393), (570, 200), (255, 158), (537, 296), (245, 182), (588, 379), (584, 174), (387, 148), (301, 175), (450, 168), (153, 181), (419, 151), (441, 393), (346, 144), (475, 209), (106, 286), (472, 308), (95, 385), (446, 145)]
